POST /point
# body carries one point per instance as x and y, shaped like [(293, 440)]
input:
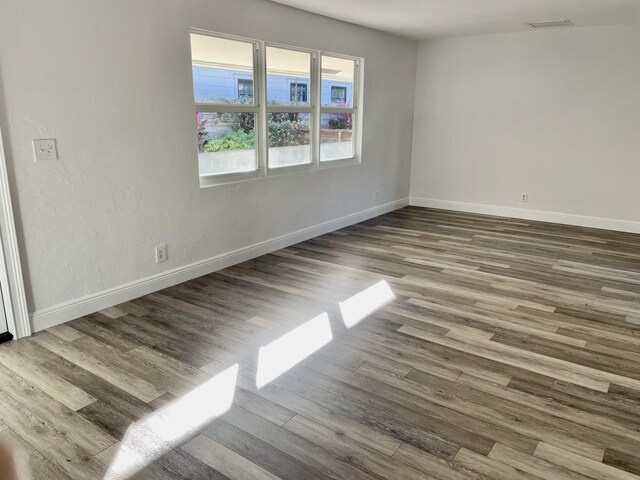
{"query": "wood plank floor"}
[(511, 351)]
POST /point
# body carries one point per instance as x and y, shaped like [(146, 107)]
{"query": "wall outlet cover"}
[(161, 253), (45, 150)]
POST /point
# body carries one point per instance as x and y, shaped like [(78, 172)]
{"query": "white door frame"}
[(11, 280)]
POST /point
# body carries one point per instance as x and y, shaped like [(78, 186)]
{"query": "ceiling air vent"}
[(551, 23)]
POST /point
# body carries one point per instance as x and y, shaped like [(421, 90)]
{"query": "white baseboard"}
[(70, 310), (539, 215)]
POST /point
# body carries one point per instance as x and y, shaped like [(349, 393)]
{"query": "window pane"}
[(226, 142), (288, 77), (289, 139), (245, 89), (338, 95), (220, 67), (336, 136), (299, 93), (337, 81)]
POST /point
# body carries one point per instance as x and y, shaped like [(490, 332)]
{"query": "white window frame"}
[(308, 109), (355, 110), (261, 110), (233, 177)]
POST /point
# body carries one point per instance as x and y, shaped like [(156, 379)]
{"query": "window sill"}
[(229, 178), (340, 162)]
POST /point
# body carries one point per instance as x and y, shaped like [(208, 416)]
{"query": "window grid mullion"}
[(316, 101), (338, 110), (261, 75), (216, 108), (289, 109)]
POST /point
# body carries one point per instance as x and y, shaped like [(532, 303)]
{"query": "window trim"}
[(245, 82), (338, 88), (355, 110), (261, 109)]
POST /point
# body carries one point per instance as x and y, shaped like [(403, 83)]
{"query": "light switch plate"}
[(45, 150)]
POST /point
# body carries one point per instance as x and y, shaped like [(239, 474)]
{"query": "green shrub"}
[(239, 121), (287, 133), (337, 123), (285, 130), (238, 140), (246, 121), (341, 121)]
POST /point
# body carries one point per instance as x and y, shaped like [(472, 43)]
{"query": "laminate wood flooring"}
[(510, 351)]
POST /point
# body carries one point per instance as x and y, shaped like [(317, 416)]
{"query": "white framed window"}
[(338, 112), (227, 123), (290, 120), (266, 109)]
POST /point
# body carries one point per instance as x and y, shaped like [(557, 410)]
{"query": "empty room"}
[(312, 240)]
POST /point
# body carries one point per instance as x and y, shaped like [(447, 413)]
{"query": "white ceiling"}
[(423, 19)]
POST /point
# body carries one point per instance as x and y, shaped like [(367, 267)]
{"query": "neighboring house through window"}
[(245, 88), (338, 95), (298, 93)]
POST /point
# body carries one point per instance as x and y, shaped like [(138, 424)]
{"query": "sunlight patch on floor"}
[(293, 347), (361, 305), (148, 439)]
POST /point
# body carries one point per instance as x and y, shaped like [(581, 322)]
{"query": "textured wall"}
[(553, 113), (112, 82)]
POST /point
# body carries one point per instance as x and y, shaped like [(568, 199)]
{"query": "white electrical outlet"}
[(524, 198), (161, 253), (376, 196), (45, 150)]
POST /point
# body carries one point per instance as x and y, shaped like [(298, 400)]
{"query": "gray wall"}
[(112, 82), (553, 113)]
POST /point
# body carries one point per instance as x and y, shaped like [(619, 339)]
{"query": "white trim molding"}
[(76, 308), (11, 280), (526, 214)]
